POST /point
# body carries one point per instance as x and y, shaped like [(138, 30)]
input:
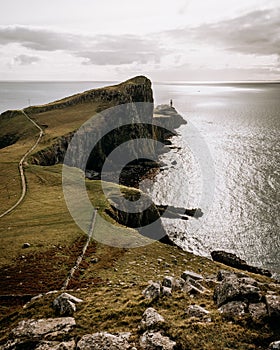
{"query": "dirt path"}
[(21, 168), (81, 256)]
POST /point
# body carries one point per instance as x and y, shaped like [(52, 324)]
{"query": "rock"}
[(94, 260), (168, 281), (275, 345), (26, 245), (65, 304), (104, 341), (31, 333), (233, 310), (273, 306), (233, 260), (193, 287), (44, 328), (166, 291), (178, 283), (258, 311), (164, 109), (196, 284), (151, 319), (173, 283), (222, 274), (237, 289), (198, 312), (211, 283), (156, 341), (188, 288), (152, 291), (227, 258), (190, 274), (51, 345)]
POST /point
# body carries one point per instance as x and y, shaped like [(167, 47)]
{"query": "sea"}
[(225, 160)]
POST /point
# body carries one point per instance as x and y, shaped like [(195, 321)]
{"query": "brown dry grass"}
[(113, 300)]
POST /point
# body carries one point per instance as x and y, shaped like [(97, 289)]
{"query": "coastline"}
[(111, 281)]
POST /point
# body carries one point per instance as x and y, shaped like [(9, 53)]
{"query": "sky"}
[(179, 40)]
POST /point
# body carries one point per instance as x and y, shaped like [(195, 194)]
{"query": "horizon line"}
[(154, 82)]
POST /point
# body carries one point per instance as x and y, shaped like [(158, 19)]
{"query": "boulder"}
[(222, 274), (233, 310), (233, 288), (41, 334), (197, 312), (178, 283), (275, 345), (227, 258), (233, 260), (104, 341), (167, 292), (65, 304), (51, 345), (190, 274), (168, 281), (156, 341), (196, 284), (152, 291), (43, 328), (193, 287), (273, 306), (151, 319), (211, 282), (173, 283), (258, 312)]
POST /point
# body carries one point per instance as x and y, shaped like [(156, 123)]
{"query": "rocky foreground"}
[(237, 298)]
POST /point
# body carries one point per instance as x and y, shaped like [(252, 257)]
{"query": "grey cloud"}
[(126, 49), (98, 49), (38, 39), (26, 59), (116, 57), (254, 33)]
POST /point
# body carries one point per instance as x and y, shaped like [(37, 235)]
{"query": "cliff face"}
[(137, 89), (53, 154), (132, 102), (123, 113)]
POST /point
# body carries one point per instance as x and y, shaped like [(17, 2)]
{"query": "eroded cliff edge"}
[(128, 110)]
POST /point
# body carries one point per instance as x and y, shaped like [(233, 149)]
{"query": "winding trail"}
[(21, 168)]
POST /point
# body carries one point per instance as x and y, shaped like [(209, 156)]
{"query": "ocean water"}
[(226, 163), (21, 94)]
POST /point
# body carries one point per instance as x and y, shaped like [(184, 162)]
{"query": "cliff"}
[(137, 89), (122, 110)]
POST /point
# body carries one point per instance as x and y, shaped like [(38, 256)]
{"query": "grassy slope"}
[(113, 301), (112, 287)]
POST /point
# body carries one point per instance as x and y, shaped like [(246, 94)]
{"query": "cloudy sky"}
[(165, 40)]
